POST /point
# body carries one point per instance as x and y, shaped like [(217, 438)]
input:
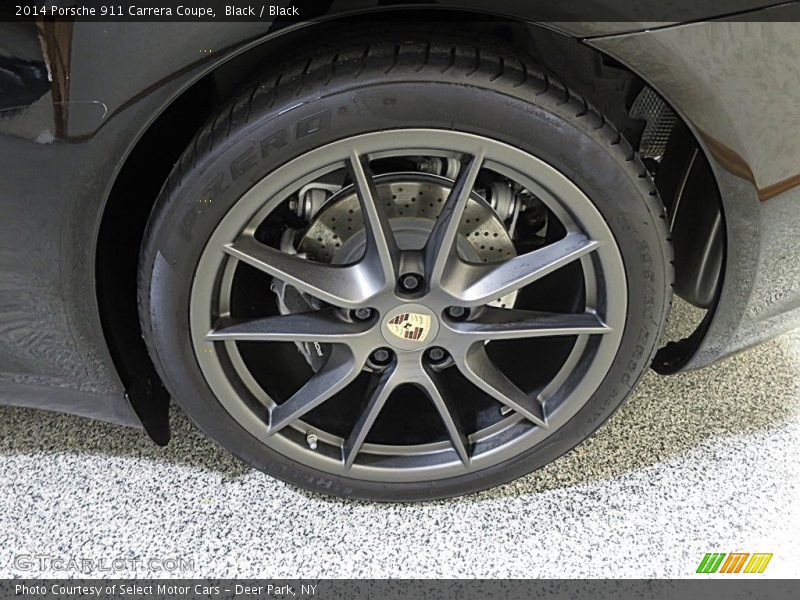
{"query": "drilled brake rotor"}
[(412, 205)]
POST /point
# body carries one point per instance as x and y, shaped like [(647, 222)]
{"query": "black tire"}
[(359, 87)]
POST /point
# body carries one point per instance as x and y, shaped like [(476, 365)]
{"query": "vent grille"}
[(660, 120)]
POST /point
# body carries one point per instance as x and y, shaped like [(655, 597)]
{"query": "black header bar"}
[(647, 13)]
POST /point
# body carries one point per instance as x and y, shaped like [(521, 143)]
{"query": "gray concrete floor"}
[(705, 461)]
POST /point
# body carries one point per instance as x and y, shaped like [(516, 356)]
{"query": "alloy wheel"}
[(407, 306)]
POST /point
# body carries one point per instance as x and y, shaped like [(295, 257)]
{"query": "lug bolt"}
[(311, 440), (457, 312), (410, 282), (436, 354), (362, 314), (381, 356)]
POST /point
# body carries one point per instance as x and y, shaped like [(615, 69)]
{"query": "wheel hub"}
[(412, 202), (410, 327)]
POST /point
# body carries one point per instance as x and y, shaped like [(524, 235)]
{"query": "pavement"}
[(707, 461)]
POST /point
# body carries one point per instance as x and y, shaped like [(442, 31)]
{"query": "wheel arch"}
[(602, 79)]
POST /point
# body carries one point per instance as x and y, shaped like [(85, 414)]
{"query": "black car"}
[(400, 256)]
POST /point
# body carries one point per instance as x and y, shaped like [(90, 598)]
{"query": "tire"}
[(352, 88)]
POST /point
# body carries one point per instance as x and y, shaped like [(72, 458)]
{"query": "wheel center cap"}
[(410, 327)]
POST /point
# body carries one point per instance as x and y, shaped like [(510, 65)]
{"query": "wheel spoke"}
[(381, 251), (319, 326), (447, 412), (481, 371), (476, 284), (339, 370), (382, 388), (441, 244), (348, 286), (504, 324)]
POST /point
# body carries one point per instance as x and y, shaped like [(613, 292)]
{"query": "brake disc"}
[(336, 234)]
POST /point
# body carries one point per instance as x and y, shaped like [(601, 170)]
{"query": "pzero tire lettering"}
[(252, 155)]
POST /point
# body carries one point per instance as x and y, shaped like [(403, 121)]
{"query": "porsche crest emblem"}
[(410, 326)]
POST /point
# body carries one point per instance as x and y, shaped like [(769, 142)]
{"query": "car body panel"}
[(735, 84), (94, 88)]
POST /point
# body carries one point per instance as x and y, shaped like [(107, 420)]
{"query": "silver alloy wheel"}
[(449, 281)]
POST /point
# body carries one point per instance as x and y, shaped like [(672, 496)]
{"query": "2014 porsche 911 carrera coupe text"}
[(397, 257)]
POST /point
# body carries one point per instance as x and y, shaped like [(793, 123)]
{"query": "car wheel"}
[(404, 271)]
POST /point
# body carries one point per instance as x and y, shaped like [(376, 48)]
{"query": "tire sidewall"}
[(187, 213)]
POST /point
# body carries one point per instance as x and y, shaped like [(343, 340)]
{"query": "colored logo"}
[(735, 562), (410, 326)]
